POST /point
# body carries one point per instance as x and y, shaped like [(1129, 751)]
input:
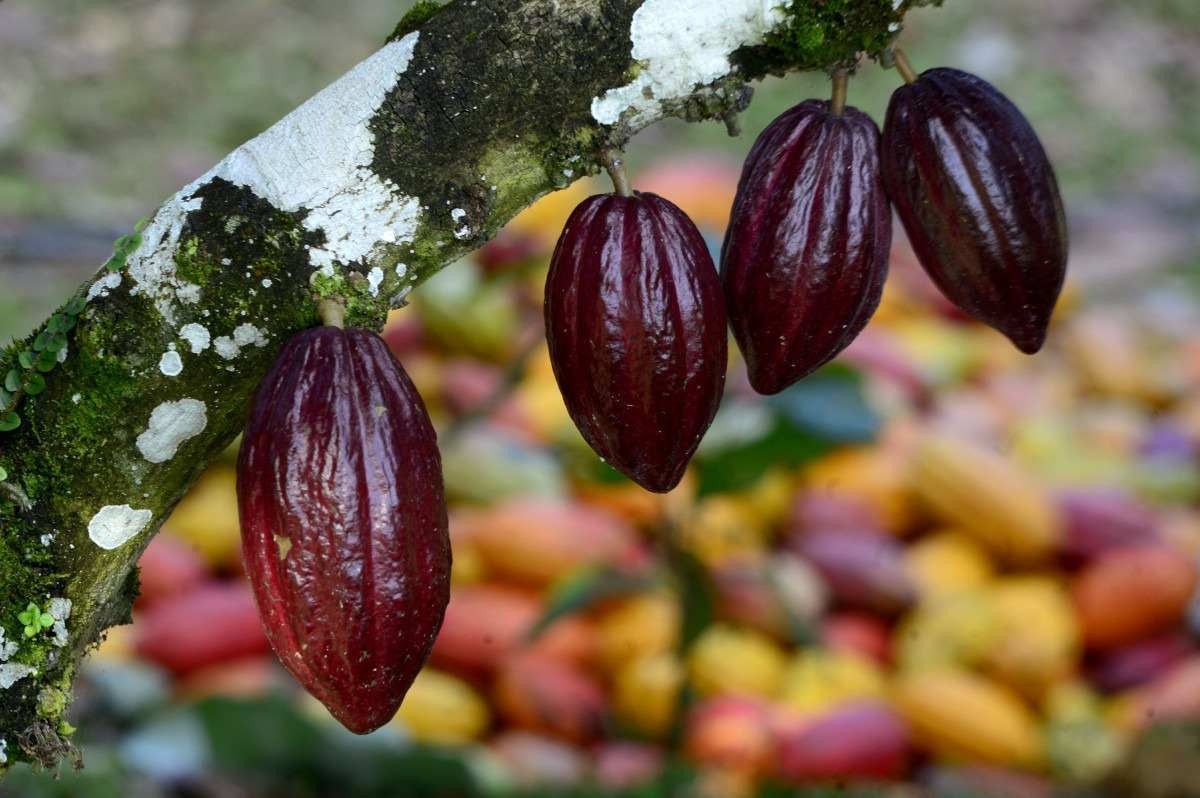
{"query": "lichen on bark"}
[(491, 109)]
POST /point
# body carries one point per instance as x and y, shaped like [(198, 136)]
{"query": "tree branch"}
[(414, 158)]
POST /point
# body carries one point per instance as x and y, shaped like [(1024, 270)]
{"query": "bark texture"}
[(469, 113)]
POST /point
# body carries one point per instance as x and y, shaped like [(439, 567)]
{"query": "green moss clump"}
[(417, 16), (190, 265), (353, 291), (52, 702), (819, 34)]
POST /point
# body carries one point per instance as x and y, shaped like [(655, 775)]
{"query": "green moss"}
[(824, 34), (353, 291), (417, 16), (52, 702), (189, 265), (517, 171)]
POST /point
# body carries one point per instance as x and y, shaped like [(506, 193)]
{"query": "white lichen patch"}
[(7, 647), (101, 287), (114, 524), (170, 363), (152, 264), (13, 672), (230, 346), (374, 278), (188, 292), (225, 347), (463, 230), (317, 158), (247, 334), (47, 539), (171, 423), (3, 751), (60, 611), (196, 335), (681, 45)]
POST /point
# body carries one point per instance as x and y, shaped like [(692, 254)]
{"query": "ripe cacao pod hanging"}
[(344, 529), (806, 252), (636, 327), (978, 199)]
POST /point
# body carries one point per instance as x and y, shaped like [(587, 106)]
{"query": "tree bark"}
[(417, 156)]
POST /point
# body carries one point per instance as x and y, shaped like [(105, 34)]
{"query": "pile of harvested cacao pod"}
[(933, 565)]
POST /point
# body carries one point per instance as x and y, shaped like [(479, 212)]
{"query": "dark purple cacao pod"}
[(636, 327), (806, 252), (979, 201), (344, 529)]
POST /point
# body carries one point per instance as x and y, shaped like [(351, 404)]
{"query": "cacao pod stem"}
[(837, 100), (615, 166), (331, 313), (901, 62)]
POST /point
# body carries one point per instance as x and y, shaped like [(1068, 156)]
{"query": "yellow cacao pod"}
[(986, 496)]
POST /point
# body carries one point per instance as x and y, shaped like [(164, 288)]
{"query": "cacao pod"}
[(859, 740), (344, 528), (1140, 662), (806, 252), (636, 327), (986, 495), (200, 628), (978, 199), (862, 569), (1133, 592), (960, 716)]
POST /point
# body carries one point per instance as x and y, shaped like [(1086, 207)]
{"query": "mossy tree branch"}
[(469, 113)]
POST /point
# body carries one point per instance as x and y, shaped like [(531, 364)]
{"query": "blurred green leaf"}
[(270, 742), (35, 384), (265, 735), (9, 421), (102, 778), (740, 466), (585, 589), (829, 404), (697, 593)]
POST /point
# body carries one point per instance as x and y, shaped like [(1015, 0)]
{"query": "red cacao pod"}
[(856, 741), (168, 567), (806, 252), (978, 199), (862, 569), (344, 529), (636, 327), (1140, 662), (211, 624), (1099, 519)]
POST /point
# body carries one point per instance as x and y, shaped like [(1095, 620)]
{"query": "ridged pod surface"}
[(636, 327), (806, 252), (344, 529), (978, 199)]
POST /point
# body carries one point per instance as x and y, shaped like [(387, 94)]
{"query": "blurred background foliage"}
[(811, 584)]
